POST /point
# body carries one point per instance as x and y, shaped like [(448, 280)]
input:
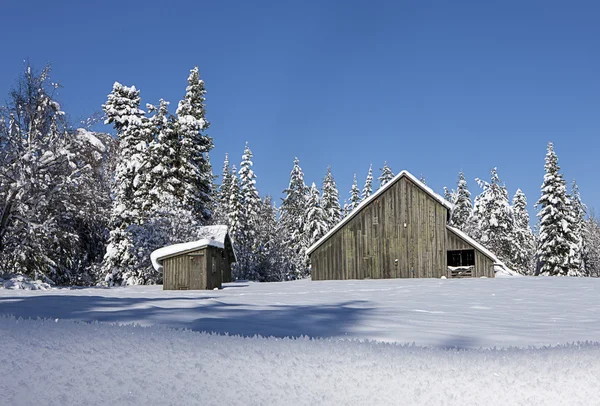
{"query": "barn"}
[(401, 231), (202, 264)]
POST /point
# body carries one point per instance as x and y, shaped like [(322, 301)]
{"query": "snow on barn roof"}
[(213, 236), (403, 174)]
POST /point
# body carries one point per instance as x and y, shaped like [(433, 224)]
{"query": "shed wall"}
[(185, 271)]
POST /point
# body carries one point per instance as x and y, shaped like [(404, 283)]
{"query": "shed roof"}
[(213, 236), (403, 174)]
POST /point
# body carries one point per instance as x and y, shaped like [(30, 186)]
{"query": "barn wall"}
[(368, 244), (484, 266), (214, 268)]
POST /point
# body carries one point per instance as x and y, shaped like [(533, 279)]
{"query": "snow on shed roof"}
[(403, 174), (213, 236)]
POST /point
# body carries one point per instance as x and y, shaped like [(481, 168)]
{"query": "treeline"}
[(81, 207)]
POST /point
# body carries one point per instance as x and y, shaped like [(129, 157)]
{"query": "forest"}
[(81, 207)]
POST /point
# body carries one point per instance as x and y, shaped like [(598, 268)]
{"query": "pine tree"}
[(354, 198), (195, 169), (557, 239), (248, 219), (386, 175), (235, 204), (293, 217), (316, 225), (591, 246), (493, 218), (122, 109), (368, 188), (463, 208), (54, 189), (524, 240), (578, 214), (272, 262), (161, 183), (223, 193), (331, 202)]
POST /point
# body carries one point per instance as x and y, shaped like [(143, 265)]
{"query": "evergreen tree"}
[(591, 246), (524, 240), (331, 203), (557, 239), (578, 214), (122, 109), (195, 169), (53, 187), (354, 198), (235, 204), (386, 175), (463, 208), (161, 183), (248, 218), (223, 194), (272, 262), (368, 188), (493, 219), (293, 217), (316, 225)]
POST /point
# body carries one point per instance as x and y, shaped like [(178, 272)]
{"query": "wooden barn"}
[(401, 231), (202, 264)]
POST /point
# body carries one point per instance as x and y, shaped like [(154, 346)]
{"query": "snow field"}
[(48, 362)]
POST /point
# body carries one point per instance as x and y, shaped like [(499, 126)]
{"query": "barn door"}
[(197, 271)]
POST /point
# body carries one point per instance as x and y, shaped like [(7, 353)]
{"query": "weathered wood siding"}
[(484, 266), (185, 271), (228, 259), (404, 223)]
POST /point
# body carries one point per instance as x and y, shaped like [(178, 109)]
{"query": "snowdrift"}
[(55, 362)]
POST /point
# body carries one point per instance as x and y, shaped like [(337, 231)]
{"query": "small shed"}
[(197, 265)]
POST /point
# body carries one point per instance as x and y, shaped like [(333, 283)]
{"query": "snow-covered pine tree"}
[(449, 195), (493, 218), (272, 263), (235, 204), (354, 200), (463, 208), (524, 241), (316, 225), (53, 187), (293, 218), (368, 187), (122, 109), (591, 246), (386, 175), (195, 169), (557, 239), (246, 237), (331, 200), (161, 180), (223, 194), (579, 211)]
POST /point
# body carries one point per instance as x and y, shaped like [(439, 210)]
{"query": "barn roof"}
[(403, 174), (213, 236)]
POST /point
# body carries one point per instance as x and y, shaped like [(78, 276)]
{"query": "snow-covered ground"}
[(62, 362)]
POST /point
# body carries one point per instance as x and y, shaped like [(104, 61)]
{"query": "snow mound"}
[(22, 282), (69, 363)]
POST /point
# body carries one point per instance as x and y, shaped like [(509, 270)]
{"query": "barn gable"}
[(400, 231)]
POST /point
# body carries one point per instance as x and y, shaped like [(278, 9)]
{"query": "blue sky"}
[(430, 86)]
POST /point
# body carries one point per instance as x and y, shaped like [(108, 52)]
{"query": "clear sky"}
[(430, 86)]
